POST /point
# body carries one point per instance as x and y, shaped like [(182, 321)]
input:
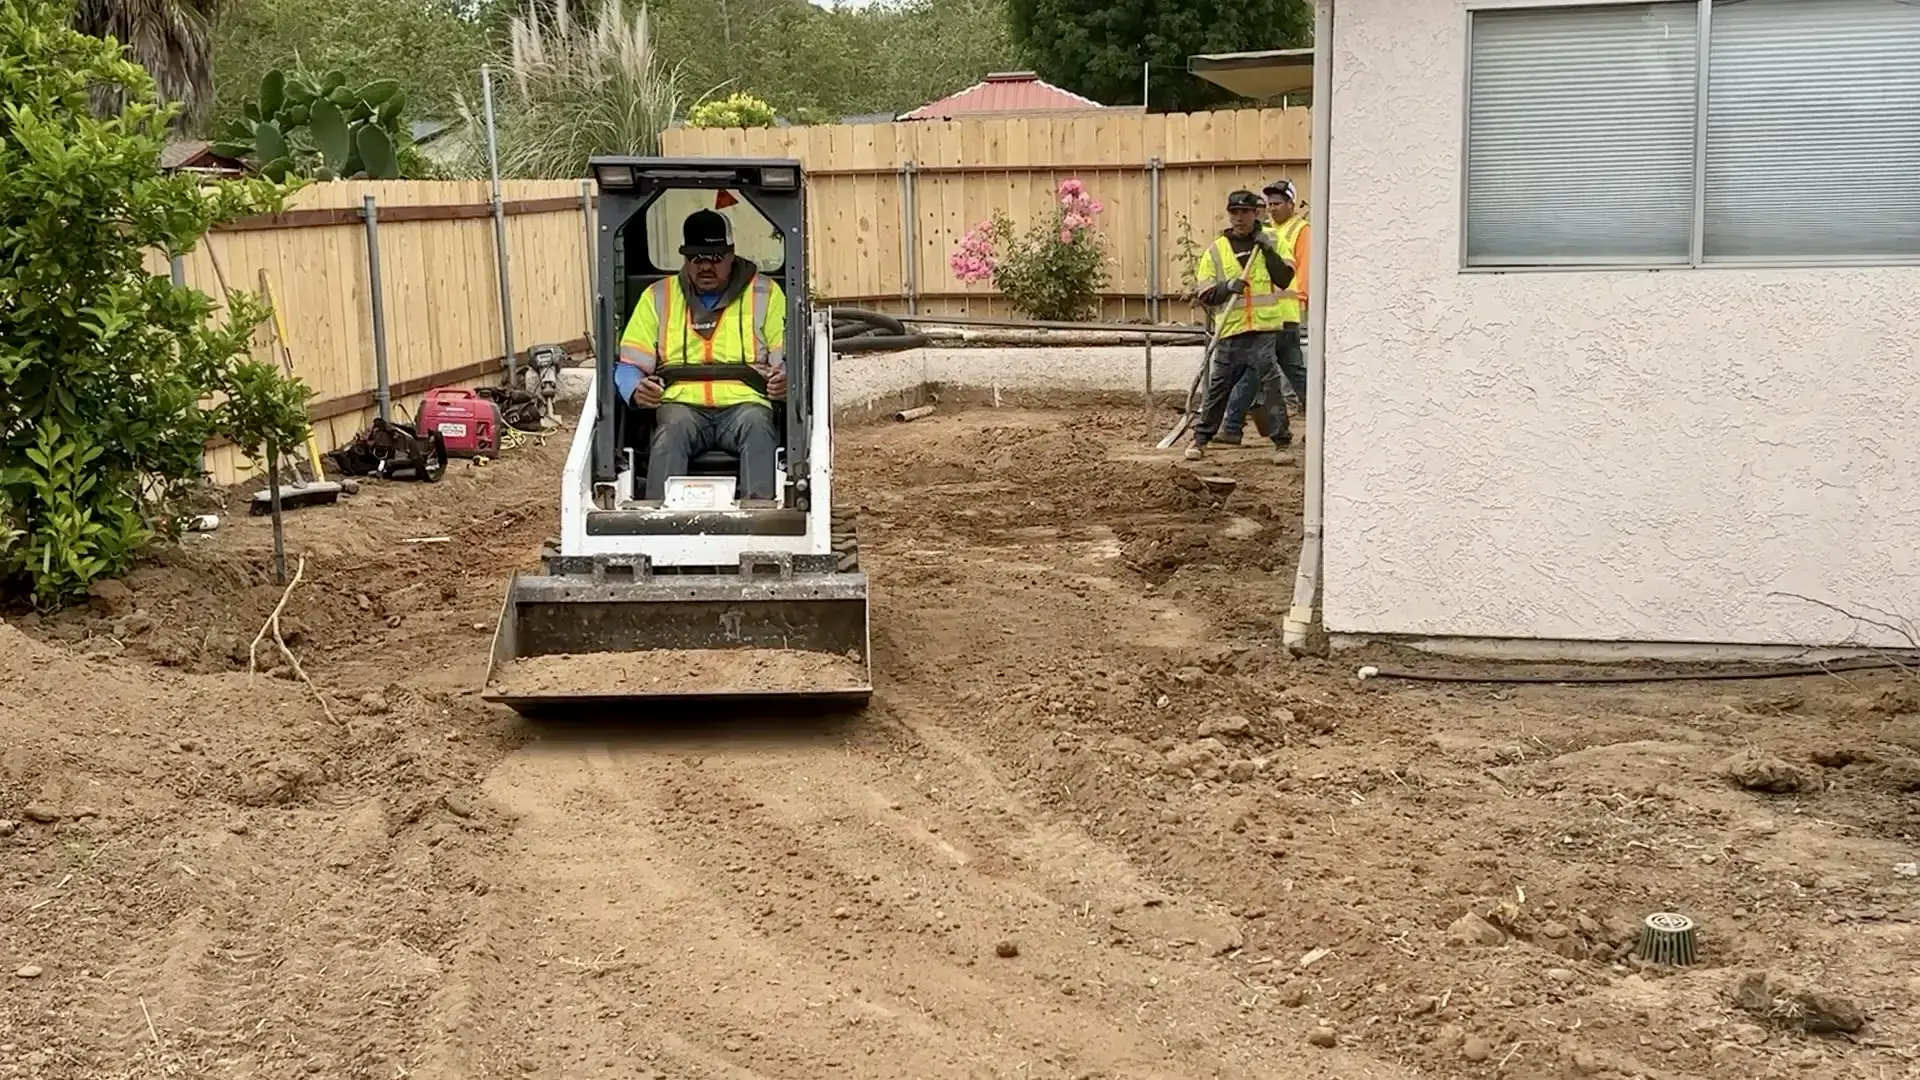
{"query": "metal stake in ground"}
[(499, 230), (279, 532)]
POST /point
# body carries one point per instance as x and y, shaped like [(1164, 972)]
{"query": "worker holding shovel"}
[(1244, 275)]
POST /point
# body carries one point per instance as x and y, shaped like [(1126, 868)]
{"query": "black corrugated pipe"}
[(856, 331)]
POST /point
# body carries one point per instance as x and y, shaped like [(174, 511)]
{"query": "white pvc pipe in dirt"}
[(1306, 580)]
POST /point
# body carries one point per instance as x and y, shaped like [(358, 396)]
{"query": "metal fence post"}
[(909, 239), (1149, 382), (177, 270), (586, 220), (382, 390), (1153, 239), (499, 229)]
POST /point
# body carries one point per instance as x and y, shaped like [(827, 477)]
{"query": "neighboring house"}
[(447, 143), (197, 156), (1623, 321), (1006, 94)]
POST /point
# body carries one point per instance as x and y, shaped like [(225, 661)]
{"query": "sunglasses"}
[(707, 260)]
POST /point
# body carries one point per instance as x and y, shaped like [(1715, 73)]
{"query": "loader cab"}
[(643, 203)]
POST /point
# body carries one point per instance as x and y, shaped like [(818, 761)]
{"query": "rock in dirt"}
[(1471, 929), (1476, 1049), (1791, 1003), (457, 805), (1242, 771), (1225, 725), (276, 784), (1195, 755), (1757, 770), (1006, 950), (110, 598), (1902, 775), (8, 826), (29, 971), (374, 703), (1323, 1037), (40, 812)]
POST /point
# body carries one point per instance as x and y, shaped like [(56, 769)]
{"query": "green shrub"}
[(736, 111), (113, 377)]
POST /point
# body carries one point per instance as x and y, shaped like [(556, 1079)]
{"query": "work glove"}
[(1236, 286), (1264, 239), (647, 394)]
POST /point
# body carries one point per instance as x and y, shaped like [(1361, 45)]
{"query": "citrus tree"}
[(113, 377)]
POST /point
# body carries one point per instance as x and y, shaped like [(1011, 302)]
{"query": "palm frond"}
[(172, 39)]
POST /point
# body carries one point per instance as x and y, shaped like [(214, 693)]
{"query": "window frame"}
[(1696, 259)]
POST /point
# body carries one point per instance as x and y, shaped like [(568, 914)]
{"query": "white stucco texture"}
[(1617, 456)]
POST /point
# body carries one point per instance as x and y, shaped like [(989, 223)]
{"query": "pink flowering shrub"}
[(1055, 271)]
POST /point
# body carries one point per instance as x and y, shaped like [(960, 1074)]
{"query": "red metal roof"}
[(1004, 92)]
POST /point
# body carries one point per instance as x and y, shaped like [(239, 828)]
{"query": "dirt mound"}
[(682, 671), (1097, 822)]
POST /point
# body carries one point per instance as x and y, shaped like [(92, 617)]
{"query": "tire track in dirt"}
[(828, 903)]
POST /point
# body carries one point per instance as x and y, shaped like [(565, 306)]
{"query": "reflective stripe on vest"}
[(1284, 238), (726, 332), (1256, 309)]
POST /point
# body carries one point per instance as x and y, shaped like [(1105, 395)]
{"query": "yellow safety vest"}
[(1256, 309), (750, 330), (1284, 236)]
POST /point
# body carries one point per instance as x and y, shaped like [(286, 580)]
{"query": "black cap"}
[(1281, 189), (1244, 200), (707, 232)]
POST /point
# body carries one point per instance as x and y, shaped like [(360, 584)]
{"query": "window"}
[(1585, 144), (754, 237), (1813, 130), (1580, 135)]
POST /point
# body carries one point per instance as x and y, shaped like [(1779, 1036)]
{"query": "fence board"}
[(862, 252)]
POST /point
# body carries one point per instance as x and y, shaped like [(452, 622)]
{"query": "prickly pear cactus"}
[(320, 127)]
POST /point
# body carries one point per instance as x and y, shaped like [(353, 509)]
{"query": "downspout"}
[(1306, 581)]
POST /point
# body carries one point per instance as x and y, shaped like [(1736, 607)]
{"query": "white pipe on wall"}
[(1306, 581)]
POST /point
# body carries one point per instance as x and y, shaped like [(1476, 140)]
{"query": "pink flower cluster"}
[(1077, 209), (974, 259)]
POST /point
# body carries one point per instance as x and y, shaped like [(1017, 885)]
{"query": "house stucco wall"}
[(1625, 455)]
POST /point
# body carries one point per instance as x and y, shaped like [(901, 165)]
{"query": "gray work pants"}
[(1233, 357), (1293, 365), (684, 432)]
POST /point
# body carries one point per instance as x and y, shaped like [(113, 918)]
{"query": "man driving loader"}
[(705, 350)]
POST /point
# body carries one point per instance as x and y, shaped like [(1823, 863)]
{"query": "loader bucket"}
[(581, 642)]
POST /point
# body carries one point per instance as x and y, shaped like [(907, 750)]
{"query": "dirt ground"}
[(1095, 824)]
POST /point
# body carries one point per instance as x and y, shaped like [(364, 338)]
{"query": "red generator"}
[(469, 423)]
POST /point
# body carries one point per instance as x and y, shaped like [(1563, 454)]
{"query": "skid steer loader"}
[(700, 595)]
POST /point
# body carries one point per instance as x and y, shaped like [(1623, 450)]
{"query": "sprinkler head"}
[(1666, 938)]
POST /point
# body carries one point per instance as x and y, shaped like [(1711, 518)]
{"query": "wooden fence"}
[(887, 203), (440, 291)]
